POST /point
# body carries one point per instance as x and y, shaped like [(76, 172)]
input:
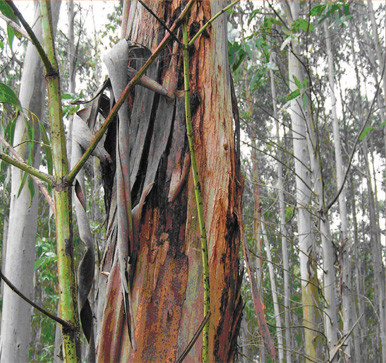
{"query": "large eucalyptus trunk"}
[(20, 252), (165, 271)]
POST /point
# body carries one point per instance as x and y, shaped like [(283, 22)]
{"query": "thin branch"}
[(286, 166), (277, 14), (210, 21), (193, 340), (27, 168), (34, 40), (343, 340), (37, 307), (161, 22), (15, 26), (36, 179), (356, 143)]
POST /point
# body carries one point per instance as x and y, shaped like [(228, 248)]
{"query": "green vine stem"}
[(210, 21), (123, 96), (68, 306), (197, 191)]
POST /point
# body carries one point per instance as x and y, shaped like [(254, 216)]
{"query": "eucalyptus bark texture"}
[(165, 270)]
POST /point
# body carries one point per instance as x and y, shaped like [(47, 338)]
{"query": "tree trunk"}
[(376, 251), (274, 294), (303, 200), (282, 210), (166, 269), (361, 347), (20, 256), (348, 307)]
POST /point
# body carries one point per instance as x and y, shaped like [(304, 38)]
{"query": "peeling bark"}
[(165, 267)]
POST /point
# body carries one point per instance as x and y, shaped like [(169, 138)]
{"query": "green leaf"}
[(305, 82), (318, 9), (237, 64), (303, 25), (6, 10), (31, 189), (46, 146), (297, 82), (67, 96), (253, 15), (10, 130), (289, 213), (7, 95), (304, 99), (23, 180), (365, 132), (293, 95)]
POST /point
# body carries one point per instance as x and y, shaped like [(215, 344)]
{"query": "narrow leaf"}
[(297, 82), (304, 99), (365, 132), (46, 146), (7, 95), (6, 10), (23, 180), (293, 95), (31, 189)]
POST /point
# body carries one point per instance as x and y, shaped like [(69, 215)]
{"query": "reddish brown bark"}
[(167, 291)]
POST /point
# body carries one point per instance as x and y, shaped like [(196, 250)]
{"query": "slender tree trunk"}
[(256, 208), (303, 200), (283, 231), (376, 250), (274, 294), (20, 256), (347, 296), (381, 61), (361, 347)]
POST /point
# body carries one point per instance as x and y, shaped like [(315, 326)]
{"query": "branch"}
[(34, 40), (27, 168), (36, 179), (37, 307), (210, 21), (15, 26), (161, 22), (356, 143), (123, 96), (343, 340), (193, 340)]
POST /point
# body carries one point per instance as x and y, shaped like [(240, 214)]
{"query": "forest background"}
[(315, 248)]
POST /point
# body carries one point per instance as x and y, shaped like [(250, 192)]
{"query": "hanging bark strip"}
[(125, 93), (197, 192), (81, 138)]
